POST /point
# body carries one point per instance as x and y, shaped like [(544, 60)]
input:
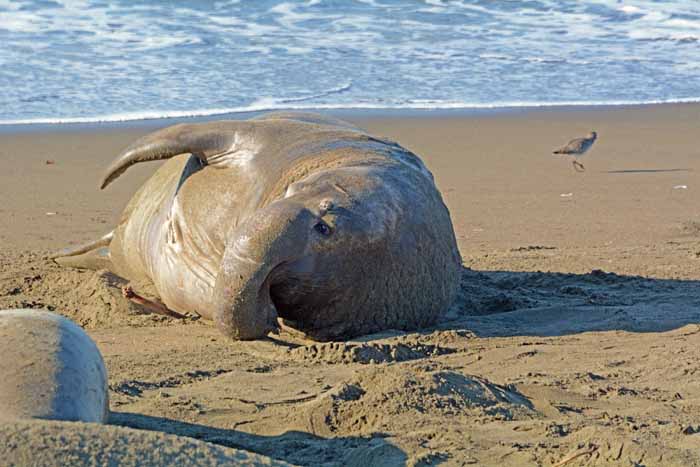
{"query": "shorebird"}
[(577, 148)]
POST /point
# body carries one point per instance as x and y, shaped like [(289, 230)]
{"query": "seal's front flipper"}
[(91, 255), (151, 306), (210, 142)]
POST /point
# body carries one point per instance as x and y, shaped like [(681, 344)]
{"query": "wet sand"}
[(574, 334)]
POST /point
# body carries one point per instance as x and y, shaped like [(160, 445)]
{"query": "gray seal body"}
[(50, 369)]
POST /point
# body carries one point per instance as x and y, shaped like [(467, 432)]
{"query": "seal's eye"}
[(322, 228)]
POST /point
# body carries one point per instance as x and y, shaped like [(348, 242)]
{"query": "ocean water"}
[(111, 60)]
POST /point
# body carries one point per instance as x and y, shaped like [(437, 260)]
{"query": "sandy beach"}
[(574, 340)]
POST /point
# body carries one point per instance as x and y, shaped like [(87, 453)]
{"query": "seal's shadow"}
[(296, 447), (507, 303)]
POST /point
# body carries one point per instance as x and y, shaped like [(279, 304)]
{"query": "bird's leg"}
[(578, 165)]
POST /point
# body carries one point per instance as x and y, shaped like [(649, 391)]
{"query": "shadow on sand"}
[(644, 171), (503, 303), (296, 447)]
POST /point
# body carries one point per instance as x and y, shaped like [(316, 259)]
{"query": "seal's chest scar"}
[(173, 227)]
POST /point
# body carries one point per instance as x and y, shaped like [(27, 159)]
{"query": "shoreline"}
[(95, 124)]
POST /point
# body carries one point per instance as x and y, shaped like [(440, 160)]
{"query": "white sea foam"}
[(629, 9), (88, 60), (270, 104), (10, 5), (495, 56), (289, 15)]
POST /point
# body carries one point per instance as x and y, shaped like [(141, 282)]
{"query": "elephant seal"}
[(50, 369), (290, 217), (40, 443)]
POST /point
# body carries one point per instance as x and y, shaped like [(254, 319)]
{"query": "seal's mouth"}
[(282, 296), (290, 295), (265, 303)]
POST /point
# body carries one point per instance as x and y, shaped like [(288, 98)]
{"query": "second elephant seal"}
[(50, 369)]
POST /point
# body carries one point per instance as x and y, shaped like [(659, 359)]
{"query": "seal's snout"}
[(253, 262)]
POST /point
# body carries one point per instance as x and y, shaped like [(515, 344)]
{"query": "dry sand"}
[(574, 340)]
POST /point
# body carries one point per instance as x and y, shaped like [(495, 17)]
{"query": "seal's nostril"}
[(322, 228)]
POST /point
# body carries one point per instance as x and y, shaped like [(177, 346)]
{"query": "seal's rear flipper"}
[(95, 260), (91, 255)]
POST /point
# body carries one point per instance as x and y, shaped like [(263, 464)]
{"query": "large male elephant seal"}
[(49, 369), (289, 215)]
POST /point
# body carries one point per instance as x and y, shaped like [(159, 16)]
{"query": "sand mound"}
[(90, 298), (420, 393), (398, 349), (42, 443)]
